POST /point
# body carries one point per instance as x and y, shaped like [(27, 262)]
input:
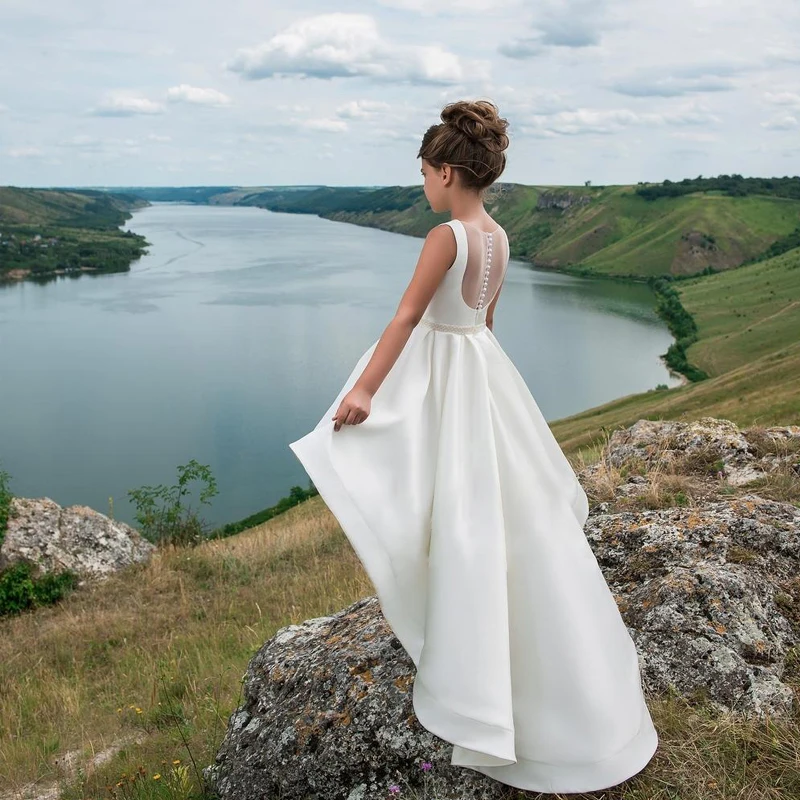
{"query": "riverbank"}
[(45, 234)]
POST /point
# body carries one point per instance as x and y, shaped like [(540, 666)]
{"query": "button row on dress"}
[(486, 272)]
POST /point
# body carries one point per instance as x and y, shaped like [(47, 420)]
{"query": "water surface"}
[(233, 336)]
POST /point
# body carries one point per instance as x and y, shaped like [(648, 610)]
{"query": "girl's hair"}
[(471, 137)]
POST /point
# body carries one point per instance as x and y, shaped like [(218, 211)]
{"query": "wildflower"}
[(156, 776), (176, 761), (426, 765), (394, 789)]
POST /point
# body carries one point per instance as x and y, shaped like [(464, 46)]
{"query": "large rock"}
[(708, 445), (327, 713), (52, 538), (710, 595)]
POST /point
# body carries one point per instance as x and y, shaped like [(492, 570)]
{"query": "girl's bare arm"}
[(438, 254)]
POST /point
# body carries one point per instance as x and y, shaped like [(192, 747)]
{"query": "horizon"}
[(109, 187)]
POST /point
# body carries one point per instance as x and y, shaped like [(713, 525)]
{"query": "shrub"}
[(172, 523)]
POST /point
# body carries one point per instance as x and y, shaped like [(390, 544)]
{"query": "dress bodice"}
[(473, 279)]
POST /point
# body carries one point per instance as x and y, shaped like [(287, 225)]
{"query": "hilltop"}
[(46, 232), (635, 231)]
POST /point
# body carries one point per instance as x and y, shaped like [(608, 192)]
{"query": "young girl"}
[(468, 518)]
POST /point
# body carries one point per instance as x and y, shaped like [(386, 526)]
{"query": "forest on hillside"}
[(731, 185)]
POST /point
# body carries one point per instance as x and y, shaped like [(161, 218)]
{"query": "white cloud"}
[(605, 121), (432, 7), (329, 125), (25, 152), (659, 80), (683, 79), (359, 109), (118, 104), (340, 45), (785, 123), (193, 94)]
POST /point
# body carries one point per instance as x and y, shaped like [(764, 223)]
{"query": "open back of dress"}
[(487, 261)]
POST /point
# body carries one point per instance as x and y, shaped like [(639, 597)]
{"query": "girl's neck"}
[(468, 208)]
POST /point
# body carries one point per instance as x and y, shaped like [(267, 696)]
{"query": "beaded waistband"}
[(443, 326)]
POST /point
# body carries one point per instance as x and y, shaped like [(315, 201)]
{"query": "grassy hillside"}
[(613, 230), (744, 314), (143, 670), (748, 323), (45, 232), (77, 208)]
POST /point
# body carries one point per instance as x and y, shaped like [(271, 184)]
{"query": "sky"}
[(259, 93)]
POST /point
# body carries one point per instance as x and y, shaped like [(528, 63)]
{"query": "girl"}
[(468, 518)]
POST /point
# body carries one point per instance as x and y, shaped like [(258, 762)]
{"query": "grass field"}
[(748, 323), (146, 668)]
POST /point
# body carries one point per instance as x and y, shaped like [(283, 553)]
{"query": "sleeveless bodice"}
[(472, 281)]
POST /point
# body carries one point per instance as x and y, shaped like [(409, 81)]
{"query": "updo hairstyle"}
[(470, 138)]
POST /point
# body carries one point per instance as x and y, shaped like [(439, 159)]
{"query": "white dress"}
[(468, 519)]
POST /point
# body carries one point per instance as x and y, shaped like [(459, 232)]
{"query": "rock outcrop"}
[(562, 200), (52, 538), (709, 591)]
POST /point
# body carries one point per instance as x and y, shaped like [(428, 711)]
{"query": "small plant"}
[(20, 590), (5, 503), (172, 523)]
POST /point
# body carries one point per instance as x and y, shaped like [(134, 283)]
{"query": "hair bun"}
[(480, 121)]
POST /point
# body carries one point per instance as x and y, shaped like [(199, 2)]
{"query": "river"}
[(233, 335)]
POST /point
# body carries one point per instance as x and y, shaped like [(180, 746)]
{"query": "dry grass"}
[(171, 638), (680, 478), (160, 650)]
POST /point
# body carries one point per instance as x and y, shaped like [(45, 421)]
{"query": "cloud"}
[(433, 7), (118, 104), (785, 123), (329, 125), (25, 152), (193, 94), (606, 121), (156, 137), (561, 23), (341, 45), (684, 79), (694, 136), (671, 86), (359, 109), (783, 99)]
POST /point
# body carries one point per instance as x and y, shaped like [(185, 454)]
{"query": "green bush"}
[(296, 495), (5, 504), (20, 591), (171, 522), (682, 326)]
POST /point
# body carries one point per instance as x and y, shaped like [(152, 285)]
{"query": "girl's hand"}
[(353, 409)]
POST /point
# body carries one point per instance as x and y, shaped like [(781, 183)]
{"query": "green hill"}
[(46, 232), (615, 230), (748, 328), (639, 232)]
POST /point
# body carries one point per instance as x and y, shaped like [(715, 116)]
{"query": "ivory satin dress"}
[(468, 519)]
